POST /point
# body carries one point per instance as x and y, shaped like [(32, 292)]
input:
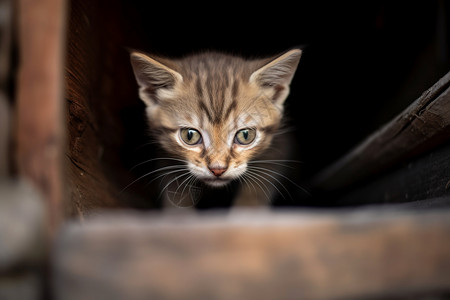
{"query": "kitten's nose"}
[(217, 170)]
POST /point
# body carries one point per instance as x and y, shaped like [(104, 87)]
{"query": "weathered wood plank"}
[(99, 88), (423, 178), (40, 130), (422, 126), (255, 255)]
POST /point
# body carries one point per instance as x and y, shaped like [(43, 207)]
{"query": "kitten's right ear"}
[(152, 76)]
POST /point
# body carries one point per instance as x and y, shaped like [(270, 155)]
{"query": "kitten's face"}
[(215, 111)]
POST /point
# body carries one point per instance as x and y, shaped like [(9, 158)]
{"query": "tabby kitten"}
[(215, 115)]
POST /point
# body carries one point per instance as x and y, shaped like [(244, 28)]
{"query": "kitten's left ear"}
[(278, 74), (152, 76)]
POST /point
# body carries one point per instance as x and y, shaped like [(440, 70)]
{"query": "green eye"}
[(245, 136), (190, 136)]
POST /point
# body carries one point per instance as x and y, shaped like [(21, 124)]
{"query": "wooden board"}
[(423, 178), (422, 126), (363, 254), (39, 125), (100, 86)]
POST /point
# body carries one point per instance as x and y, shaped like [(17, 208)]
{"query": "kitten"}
[(216, 115)]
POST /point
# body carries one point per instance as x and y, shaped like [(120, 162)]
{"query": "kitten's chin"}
[(216, 182)]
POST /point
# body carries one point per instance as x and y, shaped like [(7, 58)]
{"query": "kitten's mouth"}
[(216, 182)]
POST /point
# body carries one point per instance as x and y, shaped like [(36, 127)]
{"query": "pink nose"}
[(217, 171)]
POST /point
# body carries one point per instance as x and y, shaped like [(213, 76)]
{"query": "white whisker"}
[(261, 176), (167, 185), (248, 183), (274, 178), (157, 159), (281, 162), (180, 185), (281, 175), (255, 180), (194, 201), (168, 173), (150, 173)]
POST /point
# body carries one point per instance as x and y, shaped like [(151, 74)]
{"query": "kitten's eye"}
[(190, 136), (245, 136)]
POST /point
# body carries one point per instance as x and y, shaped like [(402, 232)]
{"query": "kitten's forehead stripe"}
[(230, 109), (205, 110), (235, 89), (215, 80), (198, 87)]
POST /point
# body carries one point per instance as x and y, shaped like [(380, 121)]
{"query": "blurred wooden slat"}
[(249, 255), (40, 102), (422, 126)]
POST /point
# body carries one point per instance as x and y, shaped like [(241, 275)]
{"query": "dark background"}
[(363, 62)]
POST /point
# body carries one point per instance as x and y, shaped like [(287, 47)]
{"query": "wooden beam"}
[(252, 254), (40, 102), (422, 126), (423, 178)]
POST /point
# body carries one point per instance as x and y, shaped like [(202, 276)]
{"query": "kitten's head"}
[(212, 110)]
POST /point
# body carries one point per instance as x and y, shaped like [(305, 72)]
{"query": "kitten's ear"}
[(277, 73), (152, 76)]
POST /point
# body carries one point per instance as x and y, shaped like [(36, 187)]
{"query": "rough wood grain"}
[(422, 126), (255, 255), (40, 130), (423, 178), (99, 86), (87, 185)]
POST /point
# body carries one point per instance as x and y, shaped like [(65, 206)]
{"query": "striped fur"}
[(217, 95)]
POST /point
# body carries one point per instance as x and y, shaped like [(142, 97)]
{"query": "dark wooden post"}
[(40, 130)]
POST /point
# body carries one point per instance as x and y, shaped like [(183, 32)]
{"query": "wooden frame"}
[(420, 128), (40, 131), (364, 253)]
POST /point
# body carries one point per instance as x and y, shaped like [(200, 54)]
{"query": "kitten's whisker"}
[(248, 183), (278, 160), (261, 176), (159, 158), (165, 174), (255, 180), (283, 163), (145, 145), (168, 184), (189, 183), (190, 190), (284, 130), (150, 173), (180, 185), (279, 174), (274, 178), (187, 180)]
